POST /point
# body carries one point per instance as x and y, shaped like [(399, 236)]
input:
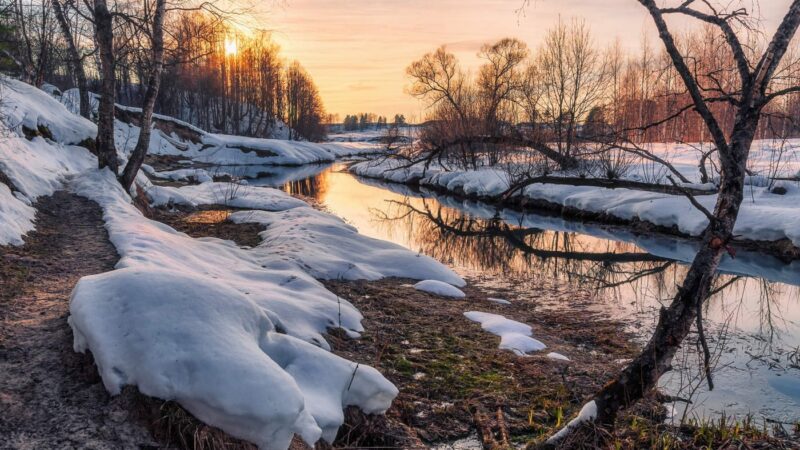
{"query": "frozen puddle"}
[(514, 336)]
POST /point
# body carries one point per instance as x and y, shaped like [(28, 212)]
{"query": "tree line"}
[(214, 77), (570, 97), (365, 121)]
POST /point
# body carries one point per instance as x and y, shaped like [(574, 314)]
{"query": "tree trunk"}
[(103, 32), (153, 83), (74, 60)]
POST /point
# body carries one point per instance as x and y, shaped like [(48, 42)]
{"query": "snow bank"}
[(328, 248), (220, 193), (223, 331), (26, 106), (38, 167), (195, 175), (764, 216), (514, 336), (439, 288), (35, 167), (16, 218)]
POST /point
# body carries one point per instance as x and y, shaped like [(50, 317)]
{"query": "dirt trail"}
[(50, 396)]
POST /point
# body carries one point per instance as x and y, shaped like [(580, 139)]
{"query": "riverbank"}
[(768, 222), (455, 384)]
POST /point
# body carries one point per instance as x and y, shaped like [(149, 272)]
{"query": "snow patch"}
[(587, 413), (236, 195), (328, 248), (439, 288), (558, 356), (514, 336)]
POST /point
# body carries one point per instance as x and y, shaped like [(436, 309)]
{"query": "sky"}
[(357, 50)]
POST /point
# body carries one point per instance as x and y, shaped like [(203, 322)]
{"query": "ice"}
[(439, 288), (514, 336)]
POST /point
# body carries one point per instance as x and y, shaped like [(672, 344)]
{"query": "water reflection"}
[(753, 316)]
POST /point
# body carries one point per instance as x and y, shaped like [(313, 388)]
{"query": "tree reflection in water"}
[(620, 270), (500, 243)]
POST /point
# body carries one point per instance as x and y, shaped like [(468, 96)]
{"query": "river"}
[(753, 321)]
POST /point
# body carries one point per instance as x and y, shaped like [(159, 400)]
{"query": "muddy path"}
[(50, 396)]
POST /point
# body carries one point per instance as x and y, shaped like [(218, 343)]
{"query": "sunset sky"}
[(357, 51)]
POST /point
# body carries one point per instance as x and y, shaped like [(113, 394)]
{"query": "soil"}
[(453, 378), (50, 396)]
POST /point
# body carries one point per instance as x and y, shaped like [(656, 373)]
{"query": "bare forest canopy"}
[(214, 76), (569, 97)]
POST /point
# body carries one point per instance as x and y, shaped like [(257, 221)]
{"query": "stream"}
[(753, 320)]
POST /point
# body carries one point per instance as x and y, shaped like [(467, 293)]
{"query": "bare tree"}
[(104, 36), (572, 79), (153, 83), (751, 96), (74, 60)]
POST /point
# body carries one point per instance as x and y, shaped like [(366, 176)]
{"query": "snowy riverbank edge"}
[(767, 221), (234, 335)]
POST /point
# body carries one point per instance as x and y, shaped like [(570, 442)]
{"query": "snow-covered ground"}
[(234, 335), (765, 215), (35, 167), (221, 149)]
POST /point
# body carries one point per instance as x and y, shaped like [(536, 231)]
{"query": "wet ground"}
[(50, 396)]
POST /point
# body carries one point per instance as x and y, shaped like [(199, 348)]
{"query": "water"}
[(753, 320)]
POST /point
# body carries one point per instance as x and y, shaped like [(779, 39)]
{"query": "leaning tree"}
[(752, 92)]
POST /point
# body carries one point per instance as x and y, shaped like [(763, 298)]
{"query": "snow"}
[(514, 336), (234, 337), (558, 356), (230, 194), (764, 216), (197, 175), (25, 105), (16, 218), (35, 167), (588, 412), (439, 288), (328, 248), (500, 301)]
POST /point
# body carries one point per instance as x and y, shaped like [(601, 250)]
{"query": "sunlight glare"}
[(230, 47)]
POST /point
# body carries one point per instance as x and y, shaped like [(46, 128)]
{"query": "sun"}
[(230, 47)]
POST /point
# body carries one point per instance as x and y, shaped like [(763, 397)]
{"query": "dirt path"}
[(50, 396)]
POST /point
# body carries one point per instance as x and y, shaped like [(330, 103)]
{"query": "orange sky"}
[(357, 50)]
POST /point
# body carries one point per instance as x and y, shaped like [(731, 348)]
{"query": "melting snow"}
[(439, 288), (587, 413), (235, 339), (514, 336)]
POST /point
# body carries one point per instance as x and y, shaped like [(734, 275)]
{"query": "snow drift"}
[(35, 167), (227, 335)]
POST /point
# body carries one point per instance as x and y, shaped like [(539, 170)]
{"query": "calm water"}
[(754, 319)]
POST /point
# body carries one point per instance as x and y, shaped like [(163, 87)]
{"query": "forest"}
[(560, 238)]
